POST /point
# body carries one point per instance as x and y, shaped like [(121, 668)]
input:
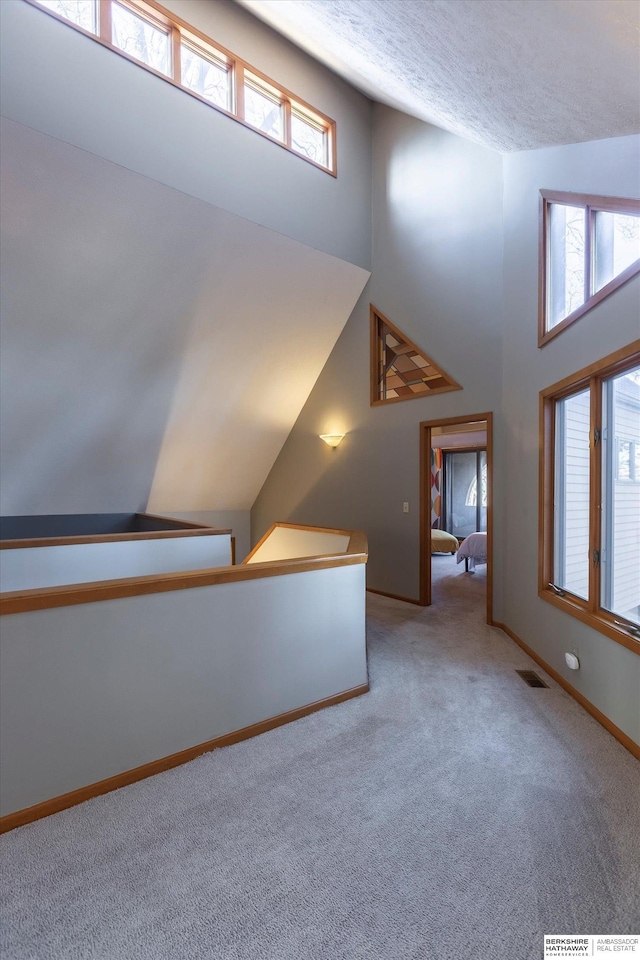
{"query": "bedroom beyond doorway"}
[(456, 503)]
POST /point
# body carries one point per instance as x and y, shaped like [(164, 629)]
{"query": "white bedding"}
[(474, 549)]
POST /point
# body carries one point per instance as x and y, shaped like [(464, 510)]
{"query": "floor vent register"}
[(532, 678)]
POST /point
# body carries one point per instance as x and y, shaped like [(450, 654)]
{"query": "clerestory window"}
[(161, 42)]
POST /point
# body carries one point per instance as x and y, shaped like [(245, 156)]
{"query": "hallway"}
[(452, 812)]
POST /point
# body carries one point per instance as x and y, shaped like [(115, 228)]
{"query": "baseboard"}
[(17, 819), (615, 731), (395, 596)]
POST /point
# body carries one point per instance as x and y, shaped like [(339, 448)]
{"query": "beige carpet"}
[(453, 813)]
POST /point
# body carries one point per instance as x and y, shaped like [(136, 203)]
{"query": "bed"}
[(473, 549), (443, 542)]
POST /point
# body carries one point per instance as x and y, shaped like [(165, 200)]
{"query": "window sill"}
[(601, 622)]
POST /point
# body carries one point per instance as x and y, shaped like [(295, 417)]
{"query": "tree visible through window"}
[(205, 76), (160, 41), (80, 12), (472, 492), (263, 110), (140, 38), (589, 246)]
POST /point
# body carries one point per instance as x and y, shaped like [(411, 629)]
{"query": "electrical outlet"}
[(405, 506)]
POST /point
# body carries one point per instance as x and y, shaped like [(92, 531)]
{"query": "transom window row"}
[(161, 42)]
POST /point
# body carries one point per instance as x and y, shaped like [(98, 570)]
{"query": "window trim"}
[(180, 30), (588, 611), (593, 204)]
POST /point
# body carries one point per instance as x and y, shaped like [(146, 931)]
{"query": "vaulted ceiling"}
[(510, 74)]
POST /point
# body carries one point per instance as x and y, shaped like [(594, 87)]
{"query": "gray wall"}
[(85, 94), (610, 674), (92, 690), (138, 367), (437, 274), (88, 394)]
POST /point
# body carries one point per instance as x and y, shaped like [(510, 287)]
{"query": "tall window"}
[(590, 502), (589, 246), (159, 41), (463, 473)]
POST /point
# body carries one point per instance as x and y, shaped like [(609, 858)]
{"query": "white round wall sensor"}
[(572, 661)]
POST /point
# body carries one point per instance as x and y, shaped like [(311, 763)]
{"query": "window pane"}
[(624, 460), (617, 245), (483, 490), (140, 38), (620, 558), (460, 492), (566, 261), (308, 140), (204, 76), (263, 112), (571, 506), (80, 12)]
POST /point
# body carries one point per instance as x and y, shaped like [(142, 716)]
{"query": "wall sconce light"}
[(331, 439)]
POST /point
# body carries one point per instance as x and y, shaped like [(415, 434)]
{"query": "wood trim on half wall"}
[(426, 429), (395, 596), (73, 541)]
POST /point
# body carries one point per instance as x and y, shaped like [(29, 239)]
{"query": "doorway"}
[(456, 488)]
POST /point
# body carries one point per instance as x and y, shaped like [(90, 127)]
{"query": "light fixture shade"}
[(332, 439)]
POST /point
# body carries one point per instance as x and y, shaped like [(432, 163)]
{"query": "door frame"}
[(426, 429)]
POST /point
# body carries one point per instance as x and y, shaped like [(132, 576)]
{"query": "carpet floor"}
[(453, 813)]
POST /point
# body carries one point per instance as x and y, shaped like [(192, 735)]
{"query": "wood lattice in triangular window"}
[(400, 370)]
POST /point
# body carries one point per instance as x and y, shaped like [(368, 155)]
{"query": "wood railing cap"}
[(42, 598), (185, 528), (357, 539)]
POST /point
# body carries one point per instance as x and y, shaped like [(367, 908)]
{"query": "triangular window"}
[(400, 370)]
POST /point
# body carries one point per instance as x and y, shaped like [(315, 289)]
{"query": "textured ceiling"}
[(511, 74)]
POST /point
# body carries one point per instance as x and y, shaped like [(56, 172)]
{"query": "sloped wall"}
[(153, 354), (174, 282)]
